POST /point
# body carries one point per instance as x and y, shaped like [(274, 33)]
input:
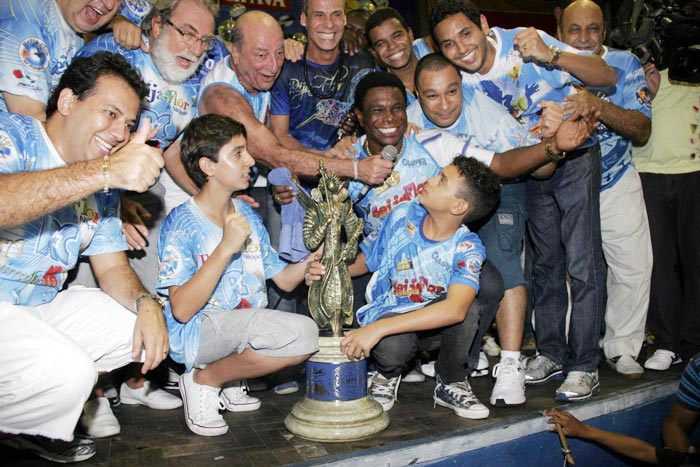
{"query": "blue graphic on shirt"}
[(412, 270), (187, 239), (37, 255)]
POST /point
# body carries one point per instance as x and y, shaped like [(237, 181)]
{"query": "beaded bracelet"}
[(105, 174)]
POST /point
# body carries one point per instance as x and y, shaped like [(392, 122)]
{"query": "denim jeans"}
[(488, 298), (393, 352), (672, 203), (564, 221)]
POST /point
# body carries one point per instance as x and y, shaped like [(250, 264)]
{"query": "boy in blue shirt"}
[(426, 266), (215, 256)]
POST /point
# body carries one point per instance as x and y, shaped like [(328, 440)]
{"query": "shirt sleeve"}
[(688, 394), (469, 256), (135, 10), (25, 61), (176, 264), (453, 146)]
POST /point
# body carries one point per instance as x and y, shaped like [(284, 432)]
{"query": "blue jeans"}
[(488, 298), (564, 223), (393, 352)]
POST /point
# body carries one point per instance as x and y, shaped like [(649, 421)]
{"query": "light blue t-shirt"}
[(36, 47), (631, 93), (518, 85), (482, 122), (423, 156), (187, 238), (412, 270), (38, 254)]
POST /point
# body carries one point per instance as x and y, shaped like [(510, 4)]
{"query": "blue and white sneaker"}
[(384, 390), (578, 386), (460, 398)]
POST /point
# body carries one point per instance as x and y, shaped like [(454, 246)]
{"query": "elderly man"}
[(179, 33), (38, 39), (53, 342), (239, 88), (625, 112)]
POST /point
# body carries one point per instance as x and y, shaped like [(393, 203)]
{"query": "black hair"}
[(380, 16), (82, 74), (377, 79), (204, 137), (445, 8), (432, 62), (481, 187)]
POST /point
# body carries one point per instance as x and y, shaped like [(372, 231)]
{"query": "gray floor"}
[(159, 438)]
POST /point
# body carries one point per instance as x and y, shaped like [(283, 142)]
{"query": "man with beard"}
[(38, 39)]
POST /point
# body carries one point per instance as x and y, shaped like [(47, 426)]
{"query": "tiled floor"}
[(160, 438)]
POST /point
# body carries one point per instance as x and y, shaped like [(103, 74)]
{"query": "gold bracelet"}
[(556, 55), (553, 156), (105, 174)]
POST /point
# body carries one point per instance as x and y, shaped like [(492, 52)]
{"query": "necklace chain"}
[(365, 146), (336, 82)]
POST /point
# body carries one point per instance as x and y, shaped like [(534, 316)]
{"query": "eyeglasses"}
[(189, 38)]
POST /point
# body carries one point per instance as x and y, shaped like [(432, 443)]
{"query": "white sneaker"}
[(385, 391), (414, 376), (428, 369), (236, 399), (490, 346), (149, 395), (482, 368), (202, 406), (627, 366), (98, 420), (662, 360), (509, 389), (578, 385)]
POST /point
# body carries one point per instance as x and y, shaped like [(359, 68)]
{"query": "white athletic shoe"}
[(509, 389)]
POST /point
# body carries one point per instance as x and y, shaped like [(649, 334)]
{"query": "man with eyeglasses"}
[(179, 34)]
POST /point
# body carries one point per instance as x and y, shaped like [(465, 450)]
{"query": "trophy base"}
[(336, 407)]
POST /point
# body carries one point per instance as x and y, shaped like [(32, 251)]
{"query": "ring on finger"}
[(306, 277), (524, 46)]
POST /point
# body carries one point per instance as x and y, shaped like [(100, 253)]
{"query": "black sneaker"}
[(54, 450)]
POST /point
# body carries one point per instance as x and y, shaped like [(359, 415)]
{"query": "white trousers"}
[(627, 249), (50, 356)]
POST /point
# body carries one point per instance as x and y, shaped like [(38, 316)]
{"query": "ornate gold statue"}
[(328, 212)]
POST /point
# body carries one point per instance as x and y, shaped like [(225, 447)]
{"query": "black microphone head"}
[(389, 153)]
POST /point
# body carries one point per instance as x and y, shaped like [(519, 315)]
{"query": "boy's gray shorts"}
[(268, 332)]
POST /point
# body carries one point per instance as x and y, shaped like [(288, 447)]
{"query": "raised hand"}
[(136, 166)]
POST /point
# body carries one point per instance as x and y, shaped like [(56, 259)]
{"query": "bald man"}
[(625, 119)]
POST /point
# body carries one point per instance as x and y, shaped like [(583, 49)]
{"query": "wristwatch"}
[(149, 296), (553, 156)]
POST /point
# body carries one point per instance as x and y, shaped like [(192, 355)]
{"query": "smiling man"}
[(519, 69), (38, 39), (53, 341), (180, 33), (625, 114)]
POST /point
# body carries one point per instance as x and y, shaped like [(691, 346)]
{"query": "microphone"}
[(389, 153)]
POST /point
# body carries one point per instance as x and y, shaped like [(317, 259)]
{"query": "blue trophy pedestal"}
[(336, 407)]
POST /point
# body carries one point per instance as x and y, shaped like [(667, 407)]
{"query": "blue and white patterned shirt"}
[(36, 47), (423, 156), (631, 93), (187, 239), (38, 254), (412, 270)]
